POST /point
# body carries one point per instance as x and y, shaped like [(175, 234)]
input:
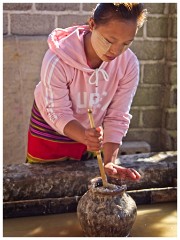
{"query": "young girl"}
[(89, 66)]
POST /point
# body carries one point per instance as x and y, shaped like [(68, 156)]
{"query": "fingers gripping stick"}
[(98, 153)]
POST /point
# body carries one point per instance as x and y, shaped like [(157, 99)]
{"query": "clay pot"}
[(106, 212)]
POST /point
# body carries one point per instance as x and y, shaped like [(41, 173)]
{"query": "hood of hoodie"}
[(68, 45)]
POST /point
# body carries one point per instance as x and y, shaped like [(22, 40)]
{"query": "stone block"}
[(164, 195), (135, 118), (17, 6), (170, 96), (172, 51), (173, 8), (38, 207), (172, 77), (23, 181), (172, 27), (69, 204), (56, 187), (154, 8), (69, 20), (152, 118), (169, 139), (21, 62), (5, 23), (154, 73), (147, 96), (147, 49), (88, 6), (171, 119), (151, 136), (173, 99), (57, 6), (134, 147), (140, 31), (155, 195), (157, 27), (32, 24)]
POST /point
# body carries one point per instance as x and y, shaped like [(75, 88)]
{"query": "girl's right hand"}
[(94, 138)]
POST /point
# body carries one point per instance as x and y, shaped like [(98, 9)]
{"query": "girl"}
[(89, 66)]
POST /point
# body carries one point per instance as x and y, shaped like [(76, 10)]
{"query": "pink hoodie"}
[(68, 86)]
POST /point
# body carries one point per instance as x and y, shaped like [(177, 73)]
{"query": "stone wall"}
[(26, 27)]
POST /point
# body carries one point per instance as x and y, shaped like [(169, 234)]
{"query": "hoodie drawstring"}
[(96, 73)]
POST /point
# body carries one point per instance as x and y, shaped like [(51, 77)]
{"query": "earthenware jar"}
[(106, 212)]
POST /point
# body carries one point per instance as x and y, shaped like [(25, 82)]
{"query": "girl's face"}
[(112, 39)]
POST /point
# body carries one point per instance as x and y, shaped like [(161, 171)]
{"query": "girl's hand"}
[(119, 172), (94, 138)]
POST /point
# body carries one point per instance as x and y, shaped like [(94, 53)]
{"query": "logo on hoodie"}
[(94, 99)]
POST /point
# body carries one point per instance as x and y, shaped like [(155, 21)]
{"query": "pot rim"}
[(96, 185)]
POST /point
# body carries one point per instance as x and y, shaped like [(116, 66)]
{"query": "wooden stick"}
[(98, 153)]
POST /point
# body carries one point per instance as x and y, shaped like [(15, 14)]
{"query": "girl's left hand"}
[(119, 172)]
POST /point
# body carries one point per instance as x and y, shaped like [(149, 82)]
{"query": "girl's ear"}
[(91, 24)]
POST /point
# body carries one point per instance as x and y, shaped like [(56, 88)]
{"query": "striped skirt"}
[(47, 145)]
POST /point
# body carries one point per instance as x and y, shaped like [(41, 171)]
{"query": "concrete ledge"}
[(35, 189), (46, 206), (134, 147), (154, 195), (36, 207)]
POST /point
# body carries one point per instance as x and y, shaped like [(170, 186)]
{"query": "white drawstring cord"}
[(96, 73)]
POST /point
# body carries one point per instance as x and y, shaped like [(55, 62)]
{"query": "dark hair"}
[(104, 12)]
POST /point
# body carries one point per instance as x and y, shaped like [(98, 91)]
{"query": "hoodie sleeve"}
[(53, 96), (117, 119)]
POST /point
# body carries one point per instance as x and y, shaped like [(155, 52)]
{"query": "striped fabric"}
[(47, 145), (39, 128)]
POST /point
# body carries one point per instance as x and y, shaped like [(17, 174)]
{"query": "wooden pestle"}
[(98, 153)]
